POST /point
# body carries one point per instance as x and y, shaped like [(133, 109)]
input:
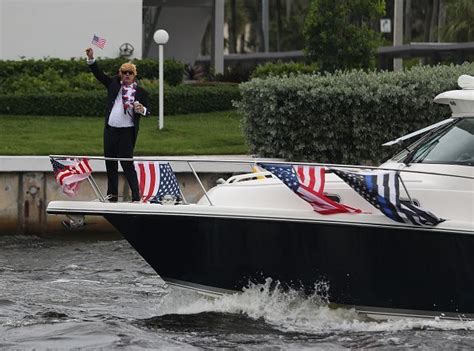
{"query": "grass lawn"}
[(217, 133)]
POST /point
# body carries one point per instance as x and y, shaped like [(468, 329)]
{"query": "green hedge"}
[(344, 117), (185, 99), (147, 68), (281, 69), (178, 100)]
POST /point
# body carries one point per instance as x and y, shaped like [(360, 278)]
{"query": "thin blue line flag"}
[(382, 190)]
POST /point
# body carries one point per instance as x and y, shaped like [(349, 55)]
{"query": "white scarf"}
[(128, 97)]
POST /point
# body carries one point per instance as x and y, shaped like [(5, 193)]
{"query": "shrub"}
[(185, 99), (281, 69), (342, 117), (48, 81), (173, 72), (177, 100), (85, 82), (151, 85), (147, 68)]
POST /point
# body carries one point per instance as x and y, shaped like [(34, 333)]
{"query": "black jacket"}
[(113, 87)]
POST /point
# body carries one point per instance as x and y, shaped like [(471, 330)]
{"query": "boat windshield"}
[(454, 145)]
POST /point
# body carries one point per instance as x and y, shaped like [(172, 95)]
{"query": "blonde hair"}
[(129, 67)]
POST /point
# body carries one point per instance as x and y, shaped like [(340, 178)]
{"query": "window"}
[(454, 145)]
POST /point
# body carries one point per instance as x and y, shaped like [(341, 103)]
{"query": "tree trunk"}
[(260, 37), (233, 27), (441, 19), (408, 21), (242, 41), (279, 25), (433, 37), (429, 10)]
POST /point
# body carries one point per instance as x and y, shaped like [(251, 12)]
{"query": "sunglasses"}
[(127, 72)]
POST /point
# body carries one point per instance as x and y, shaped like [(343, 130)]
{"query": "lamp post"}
[(398, 32), (161, 38)]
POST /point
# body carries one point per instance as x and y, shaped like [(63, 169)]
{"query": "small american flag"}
[(156, 179), (98, 41), (308, 183), (70, 172)]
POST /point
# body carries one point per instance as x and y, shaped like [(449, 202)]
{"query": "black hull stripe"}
[(397, 226), (381, 267)]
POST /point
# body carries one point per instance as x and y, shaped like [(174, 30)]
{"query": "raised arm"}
[(98, 73)]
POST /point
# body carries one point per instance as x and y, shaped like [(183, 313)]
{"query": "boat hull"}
[(424, 272)]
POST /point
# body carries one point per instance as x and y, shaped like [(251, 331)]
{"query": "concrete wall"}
[(27, 185), (186, 27), (64, 28)]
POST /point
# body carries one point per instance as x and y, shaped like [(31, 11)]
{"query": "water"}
[(71, 294)]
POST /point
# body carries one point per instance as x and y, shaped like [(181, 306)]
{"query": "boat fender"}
[(74, 222), (168, 200)]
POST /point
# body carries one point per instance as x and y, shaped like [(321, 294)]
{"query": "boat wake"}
[(290, 311)]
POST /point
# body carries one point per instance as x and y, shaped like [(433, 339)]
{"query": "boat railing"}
[(192, 161)]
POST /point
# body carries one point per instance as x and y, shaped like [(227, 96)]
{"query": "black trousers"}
[(119, 142)]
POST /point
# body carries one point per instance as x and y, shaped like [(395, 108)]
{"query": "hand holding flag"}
[(90, 53)]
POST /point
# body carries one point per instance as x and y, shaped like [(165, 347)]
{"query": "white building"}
[(64, 28)]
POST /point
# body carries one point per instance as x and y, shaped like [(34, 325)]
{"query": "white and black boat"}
[(252, 227)]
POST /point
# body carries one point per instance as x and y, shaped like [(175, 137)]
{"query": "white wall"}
[(64, 28)]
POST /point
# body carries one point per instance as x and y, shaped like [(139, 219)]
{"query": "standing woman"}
[(126, 103)]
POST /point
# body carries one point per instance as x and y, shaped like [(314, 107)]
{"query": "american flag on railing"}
[(98, 41), (70, 172), (308, 183), (156, 179), (382, 190)]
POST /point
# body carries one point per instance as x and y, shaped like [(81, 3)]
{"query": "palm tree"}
[(243, 18), (459, 25)]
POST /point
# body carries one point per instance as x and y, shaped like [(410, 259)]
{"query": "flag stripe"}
[(151, 191), (87, 167), (382, 190), (308, 183), (312, 177), (70, 172), (147, 185), (98, 41), (151, 182), (320, 203), (141, 178), (156, 179)]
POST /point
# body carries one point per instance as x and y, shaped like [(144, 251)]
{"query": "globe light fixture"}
[(161, 37)]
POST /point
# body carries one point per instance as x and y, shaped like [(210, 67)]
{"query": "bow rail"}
[(253, 161)]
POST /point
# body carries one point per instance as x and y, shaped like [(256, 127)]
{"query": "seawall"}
[(27, 185)]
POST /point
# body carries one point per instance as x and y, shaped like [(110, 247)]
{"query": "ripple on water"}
[(103, 295)]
